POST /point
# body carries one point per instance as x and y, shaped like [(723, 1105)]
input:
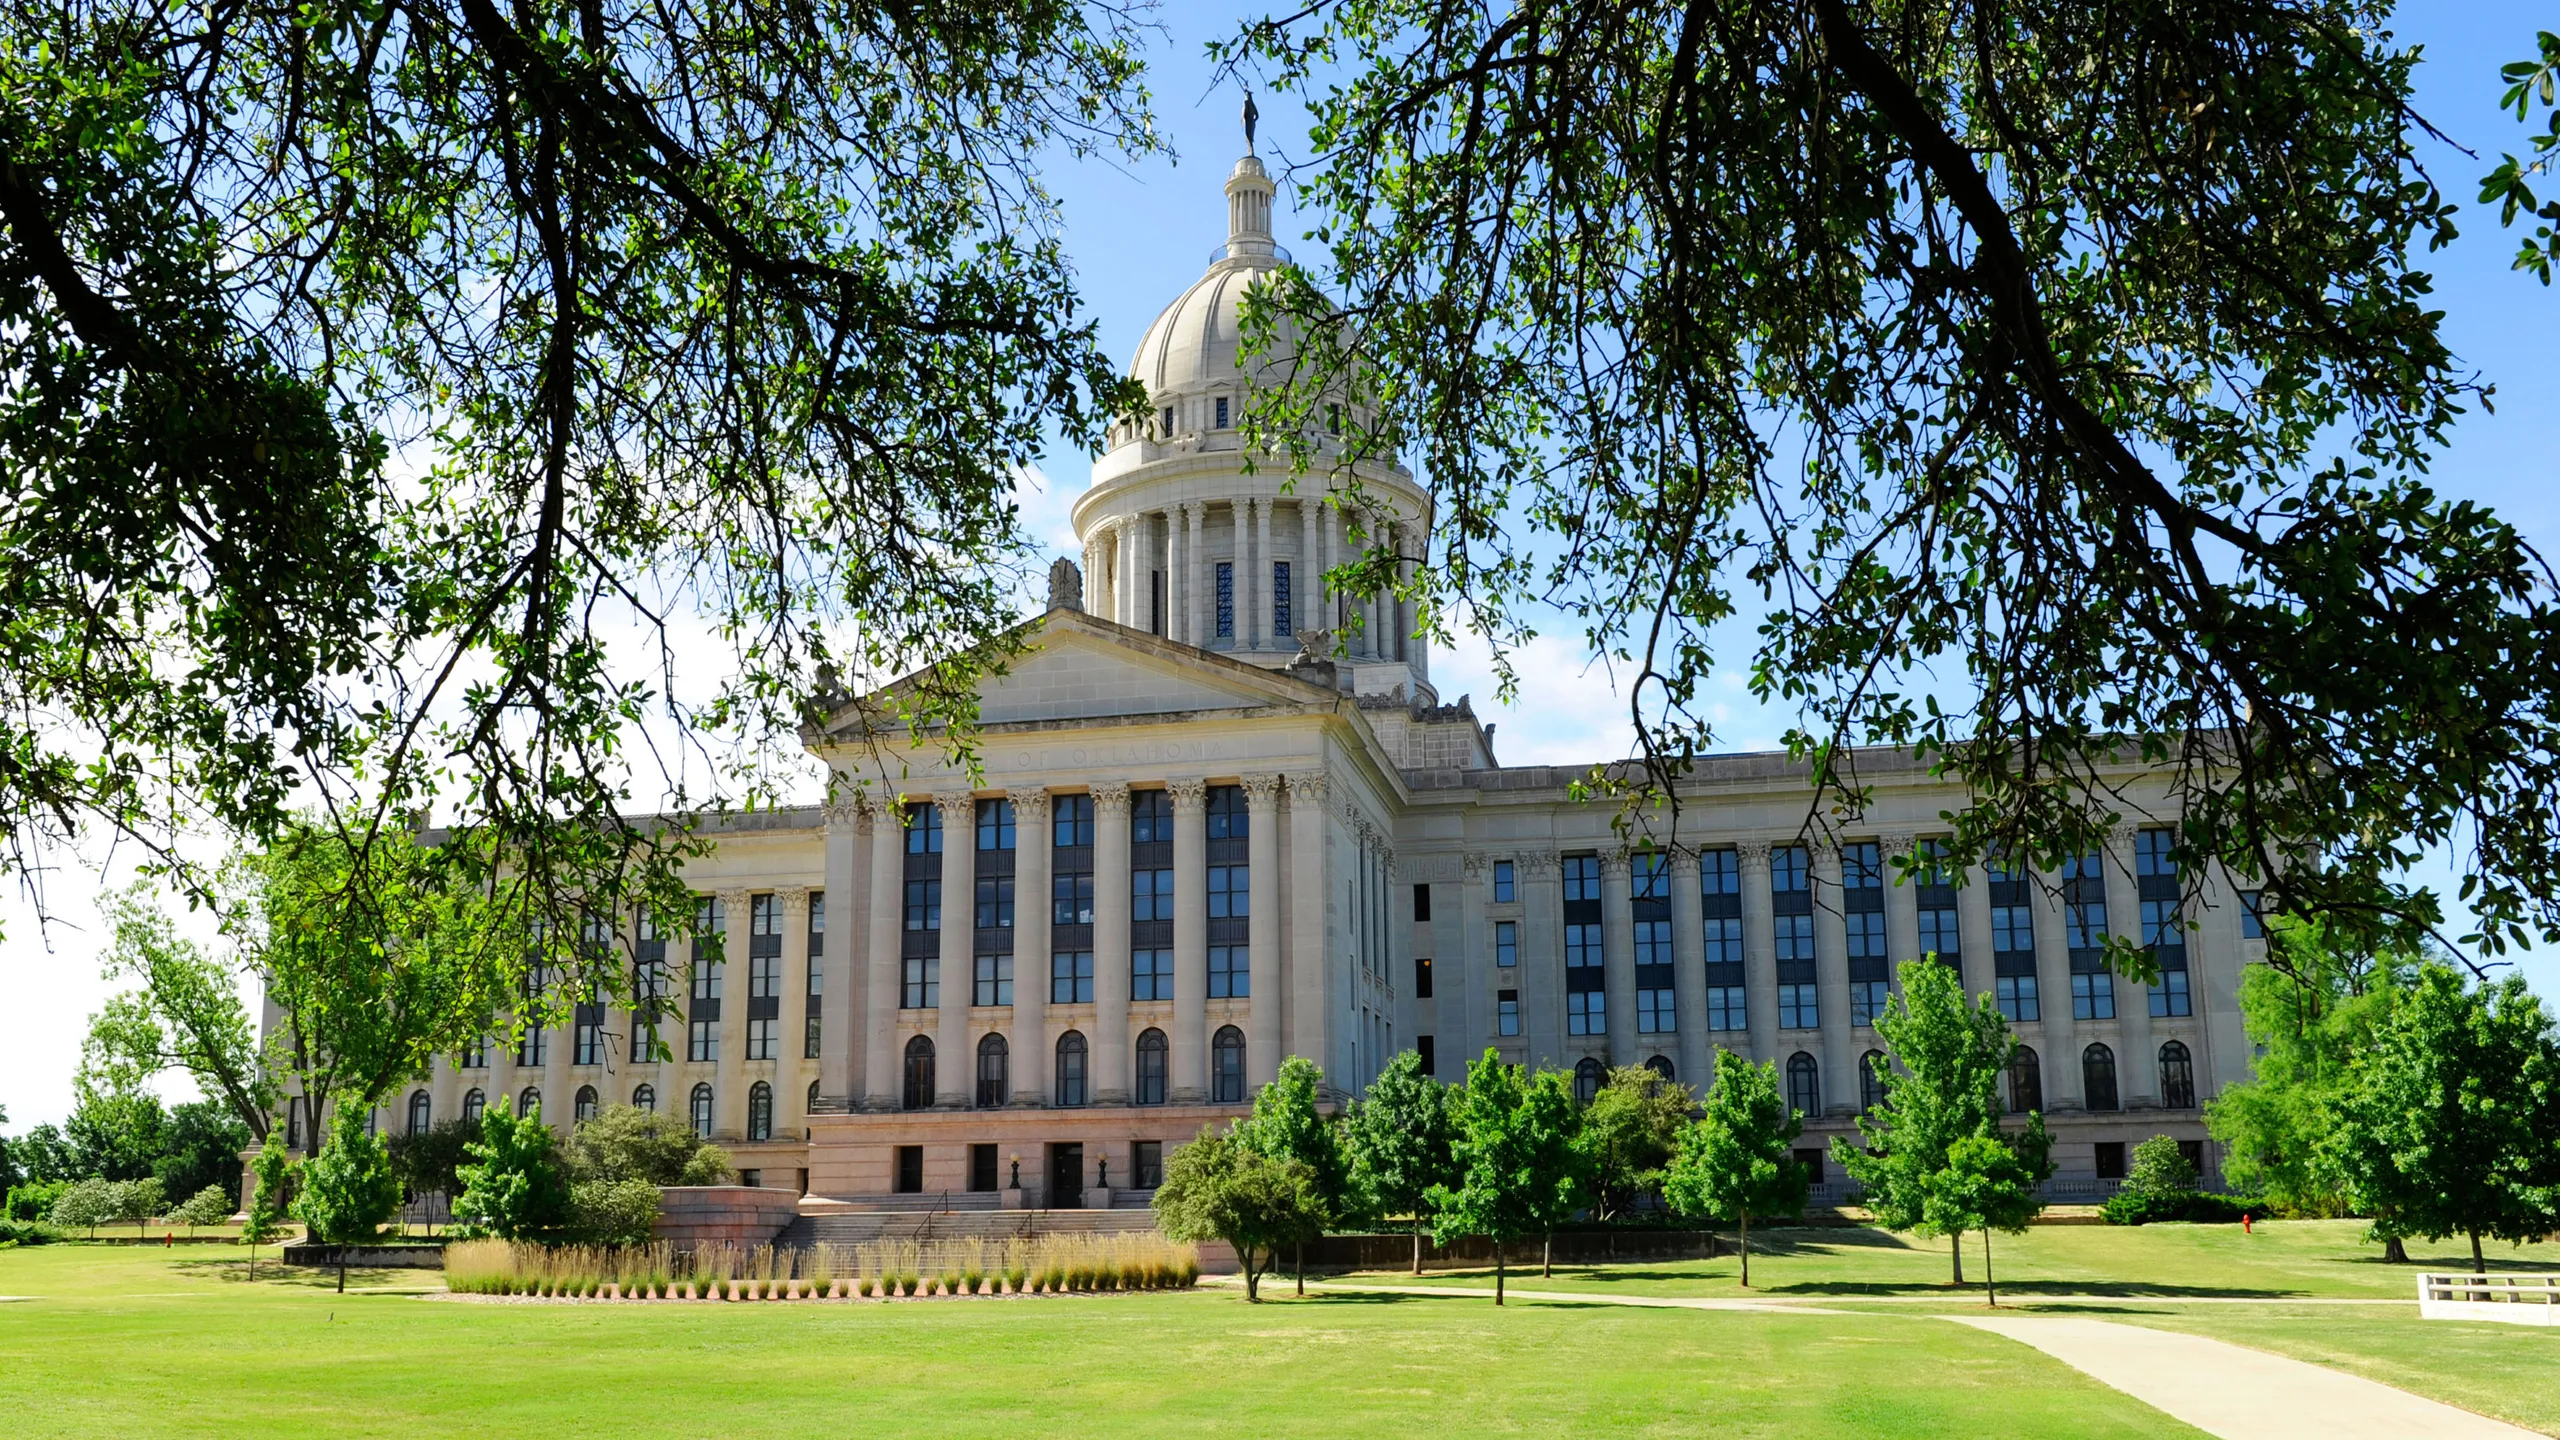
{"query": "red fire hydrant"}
[(168, 1239), (2244, 1224)]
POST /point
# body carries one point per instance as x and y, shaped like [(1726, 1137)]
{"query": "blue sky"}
[(1139, 234)]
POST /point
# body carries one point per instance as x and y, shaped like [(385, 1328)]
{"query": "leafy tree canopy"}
[(1288, 1125), (2055, 382), (349, 1190), (1222, 1187), (2451, 1125), (625, 1142), (1628, 1134), (2510, 185), (191, 1016), (1397, 1139), (377, 369), (1517, 1171), (1738, 1160), (513, 1188), (2309, 1020)]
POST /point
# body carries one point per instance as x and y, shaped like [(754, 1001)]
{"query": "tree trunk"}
[(1955, 1249), (2394, 1253), (1990, 1290), (342, 1269), (1302, 1269), (1252, 1282), (1746, 1249), (1497, 1272), (2478, 1265), (1417, 1245), (1547, 1258)]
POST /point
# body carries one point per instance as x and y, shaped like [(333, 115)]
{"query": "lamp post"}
[(1017, 1173)]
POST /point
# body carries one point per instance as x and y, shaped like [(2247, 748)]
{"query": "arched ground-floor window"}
[(645, 1098), (2177, 1076), (760, 1111), (1588, 1076), (995, 1071), (919, 1087), (421, 1113), (2098, 1077), (1870, 1080), (701, 1108), (529, 1101), (1661, 1065), (474, 1101), (1152, 1052), (585, 1109), (1226, 1067), (2026, 1081), (1071, 1069), (1804, 1084)]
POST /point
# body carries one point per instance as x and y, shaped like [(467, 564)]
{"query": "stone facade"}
[(1210, 840)]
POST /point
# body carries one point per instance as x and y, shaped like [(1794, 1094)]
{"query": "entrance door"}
[(1066, 1177)]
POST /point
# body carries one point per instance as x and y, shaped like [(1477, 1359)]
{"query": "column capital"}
[(958, 809), (1111, 800), (849, 814), (795, 904), (1261, 793), (1030, 806), (1476, 864), (1307, 787), (1615, 864), (733, 902), (1754, 855), (1189, 796), (1539, 862), (1684, 862)]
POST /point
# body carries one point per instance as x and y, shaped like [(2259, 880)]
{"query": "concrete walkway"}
[(1485, 1292), (2235, 1392)]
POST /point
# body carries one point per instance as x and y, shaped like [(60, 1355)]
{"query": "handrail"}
[(2465, 1285)]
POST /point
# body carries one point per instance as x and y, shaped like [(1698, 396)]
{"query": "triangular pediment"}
[(1079, 667)]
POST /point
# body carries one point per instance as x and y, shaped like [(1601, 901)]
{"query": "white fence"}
[(2508, 1299)]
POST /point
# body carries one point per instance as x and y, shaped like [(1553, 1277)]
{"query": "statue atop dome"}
[(1250, 115)]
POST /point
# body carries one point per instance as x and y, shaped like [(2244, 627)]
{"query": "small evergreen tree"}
[(1738, 1160), (1942, 1085), (1287, 1125), (2452, 1124), (1627, 1135), (349, 1190), (263, 1220), (1398, 1142), (513, 1188), (1984, 1185), (1220, 1187)]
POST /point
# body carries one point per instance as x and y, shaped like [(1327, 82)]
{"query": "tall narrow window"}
[(1152, 1053), (760, 1111), (2026, 1082), (421, 1113), (1720, 904), (815, 998), (1226, 1066), (1281, 626), (1650, 880), (1226, 585), (1585, 977), (2164, 931), (1222, 412), (1870, 1080), (1791, 907), (1862, 918), (995, 825), (1804, 1084), (919, 1074), (2013, 943), (699, 1110), (1936, 886), (2084, 930), (1506, 882), (2177, 1077), (474, 1102), (1506, 1012), (1506, 943), (1070, 1069), (2098, 1077), (995, 1068), (583, 1107)]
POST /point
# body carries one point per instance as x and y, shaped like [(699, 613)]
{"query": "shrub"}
[(85, 1205), (2142, 1207), (612, 1212), (208, 1206), (2160, 1169), (31, 1200), (26, 1232), (513, 1188)]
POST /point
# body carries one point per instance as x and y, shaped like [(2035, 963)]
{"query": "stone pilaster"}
[(1759, 951), (954, 1058), (1029, 1034), (1689, 969), (1190, 943), (880, 956), (1110, 1056), (1618, 956)]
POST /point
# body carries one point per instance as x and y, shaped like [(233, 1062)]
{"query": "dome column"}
[(1177, 577), (1198, 585)]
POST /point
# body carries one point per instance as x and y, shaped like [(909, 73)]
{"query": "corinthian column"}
[(953, 1066), (1759, 951), (1111, 944), (1309, 890), (880, 956), (1190, 942), (1262, 851), (1618, 955), (1031, 916), (1689, 969)]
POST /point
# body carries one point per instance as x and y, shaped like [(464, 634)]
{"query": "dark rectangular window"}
[(1506, 884), (2110, 1159), (982, 1168), (1230, 972), (995, 902), (994, 985), (910, 1169), (1506, 1012), (924, 829), (1811, 1160), (2253, 920), (921, 986), (1150, 975), (924, 905), (1421, 903), (1146, 1164), (809, 1041), (995, 824), (1226, 600), (1424, 1051), (1222, 412), (1150, 895), (1071, 977), (1230, 892), (1071, 821), (1071, 898), (1281, 626), (1422, 977)]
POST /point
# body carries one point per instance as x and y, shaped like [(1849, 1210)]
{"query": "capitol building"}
[(1193, 848)]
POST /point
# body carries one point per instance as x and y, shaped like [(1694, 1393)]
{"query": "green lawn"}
[(144, 1343), (2283, 1259)]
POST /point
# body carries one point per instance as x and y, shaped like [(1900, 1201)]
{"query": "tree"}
[(88, 1204), (430, 1161), (2159, 1168), (2452, 1124), (513, 1188), (1397, 1139), (1220, 1187), (612, 1212), (1941, 1084), (209, 1206), (459, 238), (625, 1142), (1986, 1185), (1628, 1134), (349, 1191), (200, 1146), (189, 1016), (45, 1154), (375, 961), (1739, 1159), (1287, 1125), (263, 1219), (2509, 186), (2309, 1021), (1513, 1151), (117, 1128), (1980, 351), (135, 1201)]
